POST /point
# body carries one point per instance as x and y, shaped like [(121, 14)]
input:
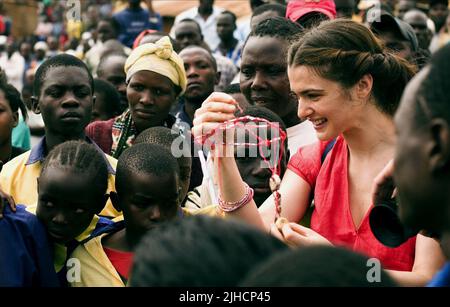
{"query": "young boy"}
[(107, 102), (64, 95), (72, 190), (148, 190)]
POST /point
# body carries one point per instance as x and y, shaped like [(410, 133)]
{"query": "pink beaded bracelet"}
[(233, 206)]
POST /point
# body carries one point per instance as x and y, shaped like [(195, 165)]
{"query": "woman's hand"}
[(296, 235), (216, 109)]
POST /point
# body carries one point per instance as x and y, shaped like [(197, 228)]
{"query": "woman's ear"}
[(364, 86), (35, 105)]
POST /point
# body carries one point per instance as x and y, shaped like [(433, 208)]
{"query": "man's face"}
[(65, 101), (264, 80), (438, 13), (112, 70), (105, 31), (225, 27), (25, 50), (420, 207), (206, 4), (187, 34), (404, 6), (344, 8), (400, 47), (419, 23), (52, 43), (200, 72)]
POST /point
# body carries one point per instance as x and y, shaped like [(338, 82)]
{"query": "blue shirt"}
[(133, 22), (25, 254), (442, 278)]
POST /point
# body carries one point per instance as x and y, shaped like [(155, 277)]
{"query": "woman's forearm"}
[(232, 189)]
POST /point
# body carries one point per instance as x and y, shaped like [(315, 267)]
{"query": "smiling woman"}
[(155, 78), (349, 87)]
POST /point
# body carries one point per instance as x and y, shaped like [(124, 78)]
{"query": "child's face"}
[(66, 203), (100, 110), (254, 170), (149, 200), (8, 119), (66, 100)]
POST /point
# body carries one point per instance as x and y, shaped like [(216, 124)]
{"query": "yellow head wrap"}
[(160, 58)]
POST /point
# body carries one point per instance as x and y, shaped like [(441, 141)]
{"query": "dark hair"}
[(144, 158), (106, 58), (436, 2), (200, 251), (12, 95), (278, 27), (434, 88), (112, 21), (192, 21), (317, 266), (261, 112), (234, 88), (82, 158), (211, 56), (280, 9), (111, 95), (166, 137), (233, 16), (64, 60), (344, 51)]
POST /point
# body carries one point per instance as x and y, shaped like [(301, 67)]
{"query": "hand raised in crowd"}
[(5, 198), (216, 109)]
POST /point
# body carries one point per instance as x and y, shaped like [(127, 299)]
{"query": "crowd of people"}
[(120, 148)]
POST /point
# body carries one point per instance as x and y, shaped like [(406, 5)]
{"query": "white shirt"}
[(208, 26), (301, 135), (14, 68)]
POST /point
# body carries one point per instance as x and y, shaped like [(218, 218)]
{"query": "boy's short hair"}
[(233, 16), (111, 95), (144, 158), (317, 266), (200, 251), (264, 113), (280, 9), (64, 60), (80, 157), (278, 27)]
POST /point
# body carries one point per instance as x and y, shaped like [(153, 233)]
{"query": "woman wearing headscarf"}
[(155, 77)]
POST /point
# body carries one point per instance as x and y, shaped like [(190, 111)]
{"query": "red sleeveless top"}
[(332, 217)]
